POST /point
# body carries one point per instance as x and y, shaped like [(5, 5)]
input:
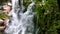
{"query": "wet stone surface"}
[(1, 32)]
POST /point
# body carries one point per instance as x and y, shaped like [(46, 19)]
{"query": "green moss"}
[(3, 15), (26, 3)]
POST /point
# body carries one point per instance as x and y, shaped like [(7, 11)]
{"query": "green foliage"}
[(26, 3), (48, 16), (3, 1), (3, 15)]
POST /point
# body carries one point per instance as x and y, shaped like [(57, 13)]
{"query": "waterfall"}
[(21, 23)]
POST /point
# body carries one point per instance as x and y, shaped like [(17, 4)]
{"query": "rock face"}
[(1, 32), (1, 26)]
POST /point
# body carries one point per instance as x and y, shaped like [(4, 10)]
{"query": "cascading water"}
[(21, 23)]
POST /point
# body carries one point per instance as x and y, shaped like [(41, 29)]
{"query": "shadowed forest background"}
[(47, 17)]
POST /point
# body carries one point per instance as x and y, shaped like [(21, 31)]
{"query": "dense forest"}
[(47, 17)]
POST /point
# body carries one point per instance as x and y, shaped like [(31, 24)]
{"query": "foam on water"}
[(21, 23)]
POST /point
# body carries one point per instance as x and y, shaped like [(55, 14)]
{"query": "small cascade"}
[(21, 23)]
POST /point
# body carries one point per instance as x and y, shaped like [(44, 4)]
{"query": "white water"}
[(21, 23)]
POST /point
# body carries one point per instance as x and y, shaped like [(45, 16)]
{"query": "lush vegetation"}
[(3, 15), (47, 16)]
